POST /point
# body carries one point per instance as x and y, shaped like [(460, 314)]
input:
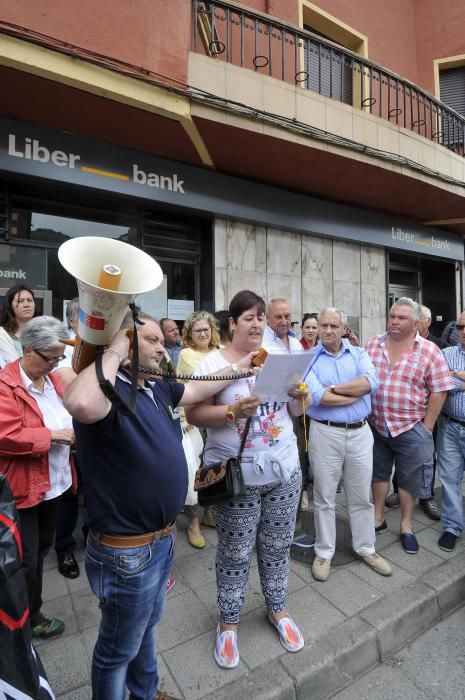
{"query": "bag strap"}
[(242, 445), (244, 438)]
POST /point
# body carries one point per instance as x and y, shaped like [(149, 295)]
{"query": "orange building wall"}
[(440, 33), (403, 35), (153, 34)]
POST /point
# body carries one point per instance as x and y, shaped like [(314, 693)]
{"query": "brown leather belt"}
[(127, 541)]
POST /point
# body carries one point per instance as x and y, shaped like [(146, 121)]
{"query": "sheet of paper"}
[(279, 373)]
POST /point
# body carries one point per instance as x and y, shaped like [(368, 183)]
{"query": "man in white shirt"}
[(278, 338)]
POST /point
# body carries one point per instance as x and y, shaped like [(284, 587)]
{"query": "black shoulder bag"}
[(222, 481)]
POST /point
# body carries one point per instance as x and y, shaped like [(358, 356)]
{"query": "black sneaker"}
[(447, 541)]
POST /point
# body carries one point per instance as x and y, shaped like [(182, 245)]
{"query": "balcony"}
[(236, 35)]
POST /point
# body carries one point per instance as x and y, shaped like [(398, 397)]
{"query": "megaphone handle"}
[(84, 354)]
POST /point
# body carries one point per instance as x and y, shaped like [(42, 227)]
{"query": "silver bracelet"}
[(114, 352)]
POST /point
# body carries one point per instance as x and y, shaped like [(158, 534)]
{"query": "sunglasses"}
[(201, 330), (459, 326), (50, 360)]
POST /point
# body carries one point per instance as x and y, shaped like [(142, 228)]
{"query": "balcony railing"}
[(253, 40)]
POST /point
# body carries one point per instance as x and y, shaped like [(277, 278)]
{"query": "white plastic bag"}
[(193, 445)]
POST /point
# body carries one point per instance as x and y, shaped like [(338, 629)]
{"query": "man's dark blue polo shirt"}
[(133, 467)]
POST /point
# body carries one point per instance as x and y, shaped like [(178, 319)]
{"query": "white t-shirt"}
[(271, 426)]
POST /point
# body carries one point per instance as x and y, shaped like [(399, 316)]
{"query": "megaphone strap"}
[(109, 390)]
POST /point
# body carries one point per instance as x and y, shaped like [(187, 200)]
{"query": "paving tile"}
[(207, 595), (195, 670), (415, 564), (181, 586), (89, 637), (87, 610), (199, 568), (312, 612), (383, 683), (429, 539), (385, 538), (54, 585), (167, 682), (392, 516), (82, 693), (63, 609), (184, 618), (385, 584), (80, 583), (348, 592), (65, 663), (258, 641)]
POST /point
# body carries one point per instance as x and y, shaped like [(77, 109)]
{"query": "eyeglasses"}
[(50, 360), (459, 326), (201, 330)]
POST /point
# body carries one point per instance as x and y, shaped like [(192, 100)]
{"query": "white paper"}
[(180, 309), (279, 373)]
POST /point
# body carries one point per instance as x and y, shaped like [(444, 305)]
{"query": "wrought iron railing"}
[(253, 40)]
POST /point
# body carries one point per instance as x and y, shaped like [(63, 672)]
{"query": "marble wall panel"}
[(221, 288), (316, 294), (286, 287), (373, 299), (238, 280), (346, 261), (260, 250), (220, 242), (317, 257), (283, 252), (373, 266), (346, 297), (370, 327), (240, 246)]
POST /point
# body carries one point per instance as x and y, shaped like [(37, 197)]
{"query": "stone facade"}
[(310, 272)]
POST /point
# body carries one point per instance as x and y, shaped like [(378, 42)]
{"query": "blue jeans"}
[(130, 585), (451, 463)]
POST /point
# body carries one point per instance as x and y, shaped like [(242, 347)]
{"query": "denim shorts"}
[(412, 452)]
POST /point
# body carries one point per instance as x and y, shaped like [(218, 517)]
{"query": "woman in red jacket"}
[(35, 437)]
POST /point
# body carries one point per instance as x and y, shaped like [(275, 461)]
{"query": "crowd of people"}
[(395, 403)]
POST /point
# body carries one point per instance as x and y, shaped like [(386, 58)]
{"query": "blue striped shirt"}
[(351, 362), (454, 404)]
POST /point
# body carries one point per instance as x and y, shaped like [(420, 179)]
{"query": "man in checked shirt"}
[(451, 444), (413, 382)]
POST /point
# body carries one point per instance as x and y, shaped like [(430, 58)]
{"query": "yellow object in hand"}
[(302, 387)]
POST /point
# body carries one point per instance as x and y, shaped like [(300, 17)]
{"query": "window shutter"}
[(452, 86)]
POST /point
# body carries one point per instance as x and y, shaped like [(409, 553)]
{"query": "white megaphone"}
[(109, 275)]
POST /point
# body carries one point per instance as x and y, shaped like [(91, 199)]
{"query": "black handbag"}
[(223, 480)]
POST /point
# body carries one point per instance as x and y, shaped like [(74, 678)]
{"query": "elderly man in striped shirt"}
[(413, 382), (451, 444)]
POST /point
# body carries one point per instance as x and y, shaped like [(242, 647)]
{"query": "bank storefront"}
[(211, 233)]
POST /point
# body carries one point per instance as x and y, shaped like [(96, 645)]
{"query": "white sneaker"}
[(321, 568), (378, 564), (304, 501)]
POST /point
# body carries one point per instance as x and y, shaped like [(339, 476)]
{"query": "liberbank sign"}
[(28, 149)]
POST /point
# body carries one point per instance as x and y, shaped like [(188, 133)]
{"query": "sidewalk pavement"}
[(351, 623)]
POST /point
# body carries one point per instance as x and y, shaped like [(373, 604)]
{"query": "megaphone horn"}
[(109, 275)]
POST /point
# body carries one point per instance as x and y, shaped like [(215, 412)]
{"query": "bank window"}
[(54, 230)]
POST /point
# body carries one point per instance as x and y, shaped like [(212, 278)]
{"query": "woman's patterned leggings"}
[(265, 517)]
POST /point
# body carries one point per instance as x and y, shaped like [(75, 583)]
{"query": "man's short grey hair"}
[(425, 312), (278, 300), (406, 301), (72, 310), (43, 333), (333, 310)]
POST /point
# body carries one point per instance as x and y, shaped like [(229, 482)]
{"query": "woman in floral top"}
[(265, 516)]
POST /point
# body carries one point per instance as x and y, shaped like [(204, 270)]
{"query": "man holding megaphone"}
[(135, 473)]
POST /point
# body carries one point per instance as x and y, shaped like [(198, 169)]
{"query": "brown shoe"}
[(161, 695)]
